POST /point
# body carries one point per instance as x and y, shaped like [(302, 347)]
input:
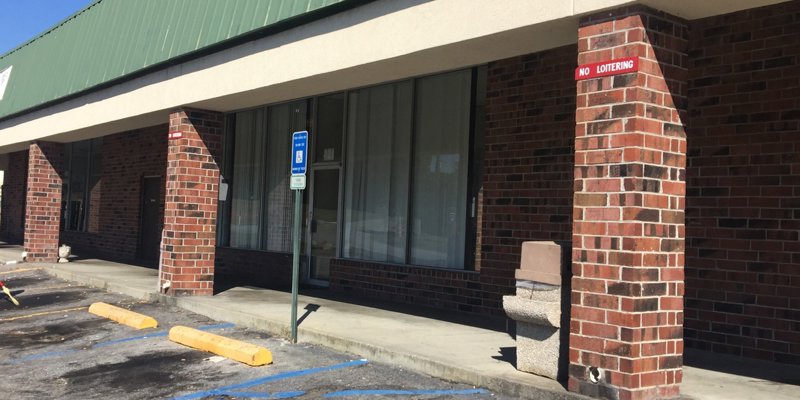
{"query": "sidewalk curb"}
[(99, 283), (374, 353), (412, 362)]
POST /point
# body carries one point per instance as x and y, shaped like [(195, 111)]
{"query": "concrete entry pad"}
[(452, 351)]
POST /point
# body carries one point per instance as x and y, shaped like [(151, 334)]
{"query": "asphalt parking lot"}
[(52, 347)]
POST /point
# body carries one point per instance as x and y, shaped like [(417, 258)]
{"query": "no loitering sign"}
[(175, 135), (607, 68)]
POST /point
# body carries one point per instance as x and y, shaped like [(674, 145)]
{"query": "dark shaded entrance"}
[(151, 223)]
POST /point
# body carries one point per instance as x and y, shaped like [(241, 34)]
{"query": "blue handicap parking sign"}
[(299, 152)]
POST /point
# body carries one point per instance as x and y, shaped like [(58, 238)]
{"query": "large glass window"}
[(260, 199), (283, 119), (407, 204), (248, 173), (377, 173), (407, 162), (441, 162), (82, 174)]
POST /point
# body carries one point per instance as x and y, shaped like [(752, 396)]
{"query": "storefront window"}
[(283, 119), (260, 196), (377, 173), (380, 178), (248, 171), (441, 162), (407, 167), (82, 173)]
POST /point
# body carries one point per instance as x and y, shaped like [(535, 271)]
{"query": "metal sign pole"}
[(298, 199), (297, 183)]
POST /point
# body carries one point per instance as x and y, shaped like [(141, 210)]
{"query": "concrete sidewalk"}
[(441, 349), (445, 350)]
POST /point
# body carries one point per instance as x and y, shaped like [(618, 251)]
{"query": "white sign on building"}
[(4, 76)]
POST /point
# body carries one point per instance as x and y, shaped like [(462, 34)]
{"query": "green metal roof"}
[(112, 40)]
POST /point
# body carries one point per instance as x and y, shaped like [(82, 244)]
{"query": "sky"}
[(22, 20)]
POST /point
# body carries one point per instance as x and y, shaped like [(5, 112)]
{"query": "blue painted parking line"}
[(390, 392), (226, 390), (131, 339), (51, 354), (159, 334), (265, 395)]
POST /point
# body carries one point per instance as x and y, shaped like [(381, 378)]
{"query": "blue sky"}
[(21, 20)]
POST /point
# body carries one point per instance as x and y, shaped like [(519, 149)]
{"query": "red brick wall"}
[(628, 233), (529, 156), (43, 201), (190, 211), (15, 180), (115, 202), (421, 286), (743, 200), (260, 268), (95, 196), (527, 190)]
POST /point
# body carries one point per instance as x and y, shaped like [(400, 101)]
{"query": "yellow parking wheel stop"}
[(123, 316), (247, 353)]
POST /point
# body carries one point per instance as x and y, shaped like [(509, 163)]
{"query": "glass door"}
[(323, 216), (324, 221)]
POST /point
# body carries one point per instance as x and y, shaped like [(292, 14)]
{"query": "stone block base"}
[(537, 310), (538, 349)]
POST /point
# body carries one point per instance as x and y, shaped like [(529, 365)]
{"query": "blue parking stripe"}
[(271, 378), (130, 339), (159, 334), (265, 395), (52, 354), (389, 392), (216, 326)]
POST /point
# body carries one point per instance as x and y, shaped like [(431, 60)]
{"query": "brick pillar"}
[(628, 235), (190, 211), (43, 202), (15, 180)]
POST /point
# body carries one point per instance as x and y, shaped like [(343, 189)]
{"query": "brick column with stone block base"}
[(190, 212), (626, 328), (43, 202)]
